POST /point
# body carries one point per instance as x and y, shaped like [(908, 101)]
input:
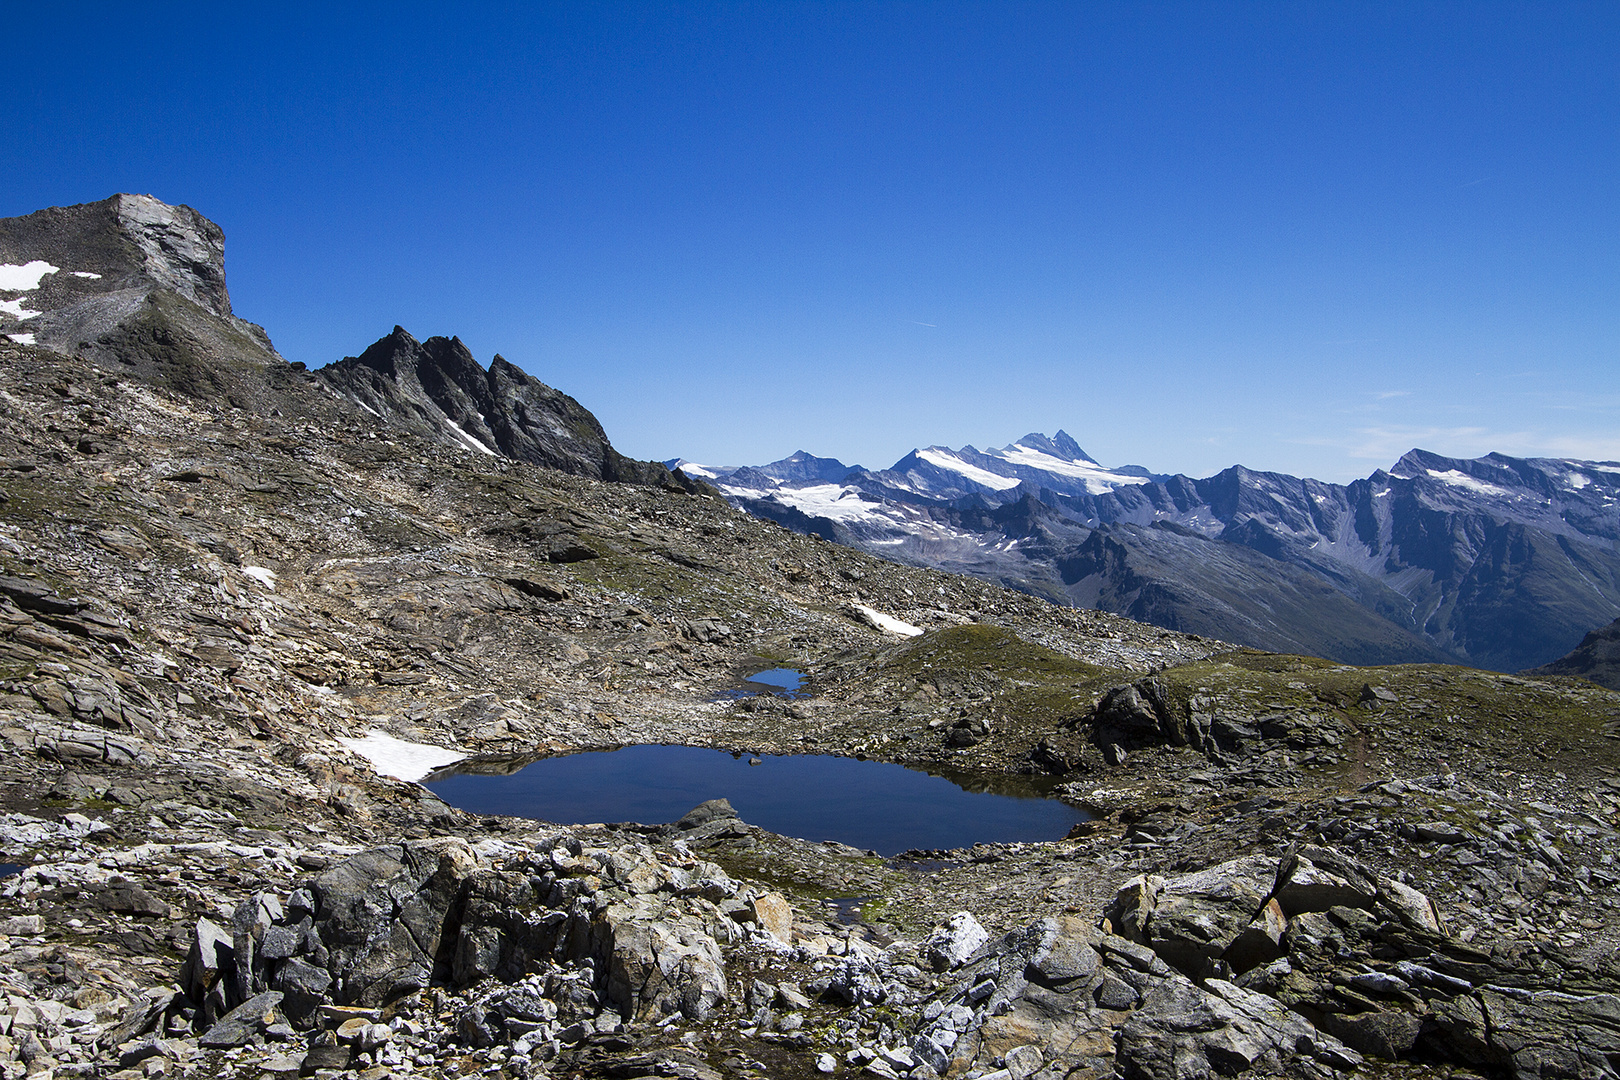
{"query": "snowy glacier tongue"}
[(945, 460)]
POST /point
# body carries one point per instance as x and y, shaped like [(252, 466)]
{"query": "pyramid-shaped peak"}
[(1061, 445)]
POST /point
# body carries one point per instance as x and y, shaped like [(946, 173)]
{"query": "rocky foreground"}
[(212, 593)]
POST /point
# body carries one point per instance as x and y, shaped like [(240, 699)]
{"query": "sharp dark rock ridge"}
[(1496, 562), (436, 388)]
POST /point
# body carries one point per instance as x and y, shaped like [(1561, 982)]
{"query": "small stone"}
[(333, 1056), (280, 942), (240, 1024), (334, 1015), (953, 944), (1116, 993), (351, 1028), (141, 1051), (774, 915), (1024, 1061)]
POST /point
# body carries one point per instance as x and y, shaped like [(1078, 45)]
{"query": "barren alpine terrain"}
[(233, 593)]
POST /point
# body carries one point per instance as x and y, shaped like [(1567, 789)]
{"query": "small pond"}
[(780, 682), (867, 804)]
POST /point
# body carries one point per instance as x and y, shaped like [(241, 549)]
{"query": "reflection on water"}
[(781, 682), (782, 678), (867, 804)]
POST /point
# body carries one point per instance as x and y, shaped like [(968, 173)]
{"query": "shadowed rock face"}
[(1597, 658), (124, 244), (437, 389)]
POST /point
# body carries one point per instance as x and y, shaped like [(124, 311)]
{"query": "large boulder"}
[(1201, 921), (954, 943), (1036, 986), (383, 915), (1235, 916), (657, 961), (1534, 1034), (1183, 1031)]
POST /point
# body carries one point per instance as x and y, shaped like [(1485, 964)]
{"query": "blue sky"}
[(1303, 237)]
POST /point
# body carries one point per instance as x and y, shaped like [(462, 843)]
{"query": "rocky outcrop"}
[(1245, 969), (1147, 714), (437, 389), (394, 920), (137, 284), (1596, 658)]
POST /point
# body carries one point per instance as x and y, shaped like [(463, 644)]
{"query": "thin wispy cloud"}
[(1386, 443), (1389, 443)]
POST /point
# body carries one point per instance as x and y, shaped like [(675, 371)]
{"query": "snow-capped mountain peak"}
[(1497, 561)]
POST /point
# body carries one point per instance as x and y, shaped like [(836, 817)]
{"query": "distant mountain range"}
[(1496, 562)]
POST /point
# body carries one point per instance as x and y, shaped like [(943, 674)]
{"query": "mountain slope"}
[(1498, 562), (1596, 658), (138, 285), (436, 388)]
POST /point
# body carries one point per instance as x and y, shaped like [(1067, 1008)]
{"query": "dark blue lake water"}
[(869, 804)]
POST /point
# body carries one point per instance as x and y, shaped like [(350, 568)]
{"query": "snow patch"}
[(1461, 479), (471, 441), (15, 309), (87, 274), (262, 574), (22, 339), (692, 468), (1576, 481), (1098, 480), (888, 622), (832, 501), (984, 477), (398, 758), (26, 277)]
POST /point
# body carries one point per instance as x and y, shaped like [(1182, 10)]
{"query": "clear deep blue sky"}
[(1299, 236)]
